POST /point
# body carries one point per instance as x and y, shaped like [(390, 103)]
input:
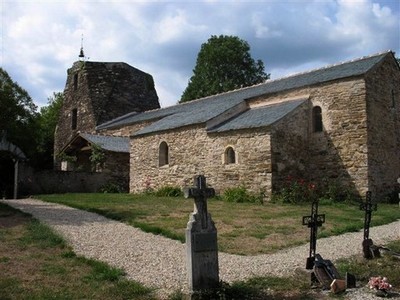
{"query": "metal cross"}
[(313, 222), (200, 193), (368, 207)]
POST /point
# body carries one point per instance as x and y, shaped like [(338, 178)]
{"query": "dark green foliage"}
[(17, 112), (224, 63), (169, 191), (47, 122), (241, 195), (111, 187)]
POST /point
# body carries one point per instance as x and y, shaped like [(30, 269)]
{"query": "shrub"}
[(295, 190), (169, 191), (111, 187), (241, 195)]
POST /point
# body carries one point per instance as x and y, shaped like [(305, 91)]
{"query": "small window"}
[(230, 156), (74, 118), (163, 154), (75, 81), (393, 104), (317, 119)]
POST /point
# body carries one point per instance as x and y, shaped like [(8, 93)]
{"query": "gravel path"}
[(160, 262)]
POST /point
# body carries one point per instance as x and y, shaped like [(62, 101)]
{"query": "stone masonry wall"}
[(336, 156), (193, 152), (383, 104), (290, 149), (101, 92)]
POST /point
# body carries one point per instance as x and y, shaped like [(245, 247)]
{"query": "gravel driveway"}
[(160, 262)]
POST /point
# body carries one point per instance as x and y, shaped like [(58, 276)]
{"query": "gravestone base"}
[(202, 255)]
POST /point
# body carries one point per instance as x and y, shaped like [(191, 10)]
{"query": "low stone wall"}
[(54, 182)]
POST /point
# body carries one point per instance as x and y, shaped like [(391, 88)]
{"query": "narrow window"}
[(393, 100), (317, 119), (230, 157), (74, 118), (75, 81), (163, 154)]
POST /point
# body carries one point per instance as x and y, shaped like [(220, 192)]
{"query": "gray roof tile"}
[(201, 110), (109, 143), (259, 117)]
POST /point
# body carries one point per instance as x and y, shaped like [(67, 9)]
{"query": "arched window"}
[(163, 154), (230, 156), (317, 119)]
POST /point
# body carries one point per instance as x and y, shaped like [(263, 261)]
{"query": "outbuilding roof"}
[(108, 143), (204, 109)]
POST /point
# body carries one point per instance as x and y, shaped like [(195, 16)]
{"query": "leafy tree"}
[(47, 122), (17, 114), (224, 63)]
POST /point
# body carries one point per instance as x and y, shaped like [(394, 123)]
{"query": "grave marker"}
[(313, 221), (201, 240), (369, 250)]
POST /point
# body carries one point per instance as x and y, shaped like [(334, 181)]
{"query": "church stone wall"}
[(290, 149), (193, 152), (383, 105), (339, 154)]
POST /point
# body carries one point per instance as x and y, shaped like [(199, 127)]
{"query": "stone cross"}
[(200, 193), (313, 222), (201, 240)]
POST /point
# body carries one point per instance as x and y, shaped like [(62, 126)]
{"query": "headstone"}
[(369, 250), (201, 240), (313, 221)]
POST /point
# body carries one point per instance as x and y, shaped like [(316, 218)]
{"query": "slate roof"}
[(202, 110), (259, 117), (108, 143)]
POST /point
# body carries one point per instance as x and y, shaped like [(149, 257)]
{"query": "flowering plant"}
[(379, 283)]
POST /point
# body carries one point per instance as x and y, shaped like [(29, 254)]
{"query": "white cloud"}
[(41, 39)]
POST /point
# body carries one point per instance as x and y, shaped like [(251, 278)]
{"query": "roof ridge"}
[(329, 66), (291, 75)]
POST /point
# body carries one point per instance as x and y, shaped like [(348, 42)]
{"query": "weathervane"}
[(81, 53)]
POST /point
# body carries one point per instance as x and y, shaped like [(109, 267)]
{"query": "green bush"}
[(111, 187), (241, 195), (169, 191), (295, 190)]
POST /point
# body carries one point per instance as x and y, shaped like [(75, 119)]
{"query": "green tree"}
[(17, 114), (47, 122), (224, 63)]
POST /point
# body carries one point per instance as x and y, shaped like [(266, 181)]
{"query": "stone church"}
[(335, 124)]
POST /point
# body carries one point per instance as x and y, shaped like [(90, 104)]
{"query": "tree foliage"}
[(17, 114), (47, 122), (224, 63), (31, 131)]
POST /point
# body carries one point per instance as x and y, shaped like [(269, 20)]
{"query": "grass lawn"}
[(243, 228), (36, 263)]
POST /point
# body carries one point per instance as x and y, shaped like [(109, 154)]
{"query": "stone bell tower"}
[(97, 92)]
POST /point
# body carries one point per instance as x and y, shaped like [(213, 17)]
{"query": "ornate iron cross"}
[(368, 207), (313, 222), (200, 193)]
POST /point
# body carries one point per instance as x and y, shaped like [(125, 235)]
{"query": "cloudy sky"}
[(40, 40)]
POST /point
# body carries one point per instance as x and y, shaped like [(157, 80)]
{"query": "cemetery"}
[(198, 264), (250, 163)]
